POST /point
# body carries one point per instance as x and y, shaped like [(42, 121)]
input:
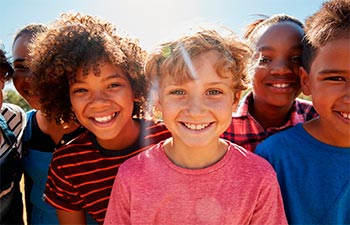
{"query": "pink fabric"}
[(239, 189)]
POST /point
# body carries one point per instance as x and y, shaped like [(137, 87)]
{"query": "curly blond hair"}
[(77, 41), (169, 59)]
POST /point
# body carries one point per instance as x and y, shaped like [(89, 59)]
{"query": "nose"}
[(99, 99), (281, 67), (196, 105)]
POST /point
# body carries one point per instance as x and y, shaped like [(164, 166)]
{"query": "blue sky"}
[(151, 21)]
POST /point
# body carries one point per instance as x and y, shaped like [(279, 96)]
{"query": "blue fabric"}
[(36, 165), (314, 177)]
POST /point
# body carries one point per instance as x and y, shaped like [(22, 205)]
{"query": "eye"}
[(20, 68), (264, 59), (335, 78), (296, 59), (177, 92), (79, 90), (114, 85), (214, 92)]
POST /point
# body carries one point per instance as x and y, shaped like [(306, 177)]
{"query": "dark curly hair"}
[(76, 41), (5, 65)]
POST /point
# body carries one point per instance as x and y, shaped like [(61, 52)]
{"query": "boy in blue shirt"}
[(312, 160)]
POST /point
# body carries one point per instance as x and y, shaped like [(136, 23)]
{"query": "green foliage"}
[(11, 96)]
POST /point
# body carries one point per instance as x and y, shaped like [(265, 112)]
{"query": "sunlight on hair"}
[(188, 62)]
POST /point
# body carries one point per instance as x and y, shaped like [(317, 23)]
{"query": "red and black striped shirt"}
[(82, 173)]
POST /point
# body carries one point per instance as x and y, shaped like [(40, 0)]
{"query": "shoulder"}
[(142, 163), (285, 135), (250, 163), (281, 140), (8, 110), (74, 146), (30, 113), (14, 116), (153, 126), (154, 131)]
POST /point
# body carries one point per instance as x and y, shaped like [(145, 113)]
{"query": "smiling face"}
[(276, 64), (198, 111), (22, 76), (104, 104), (328, 82)]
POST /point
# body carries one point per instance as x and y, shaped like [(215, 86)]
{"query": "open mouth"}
[(345, 115), (280, 85), (105, 119), (196, 126)]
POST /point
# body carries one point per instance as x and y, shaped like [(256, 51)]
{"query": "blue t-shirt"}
[(314, 177)]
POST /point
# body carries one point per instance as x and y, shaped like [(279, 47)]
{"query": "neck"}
[(194, 158), (124, 139), (322, 131), (54, 130), (269, 116)]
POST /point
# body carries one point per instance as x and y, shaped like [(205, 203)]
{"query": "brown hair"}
[(331, 21)]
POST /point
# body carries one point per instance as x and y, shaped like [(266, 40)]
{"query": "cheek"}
[(18, 81), (75, 104), (258, 75), (2, 84)]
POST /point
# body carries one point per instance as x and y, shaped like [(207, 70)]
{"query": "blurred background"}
[(150, 21)]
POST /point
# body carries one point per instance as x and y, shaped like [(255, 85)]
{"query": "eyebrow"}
[(329, 71), (266, 48), (115, 76), (106, 78)]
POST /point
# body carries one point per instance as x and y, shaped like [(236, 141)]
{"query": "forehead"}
[(20, 46), (102, 69), (202, 67), (279, 32), (334, 55)]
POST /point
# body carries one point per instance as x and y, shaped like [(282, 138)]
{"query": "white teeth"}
[(196, 127), (105, 118), (345, 115), (280, 85)]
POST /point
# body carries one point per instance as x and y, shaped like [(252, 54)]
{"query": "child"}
[(195, 177), (312, 160), (272, 105), (41, 136), (12, 123), (84, 69)]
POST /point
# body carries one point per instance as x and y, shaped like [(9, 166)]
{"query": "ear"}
[(236, 98), (305, 81)]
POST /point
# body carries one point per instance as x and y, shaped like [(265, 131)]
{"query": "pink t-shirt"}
[(239, 189)]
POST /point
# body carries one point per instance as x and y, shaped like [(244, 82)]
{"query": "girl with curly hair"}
[(86, 72)]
